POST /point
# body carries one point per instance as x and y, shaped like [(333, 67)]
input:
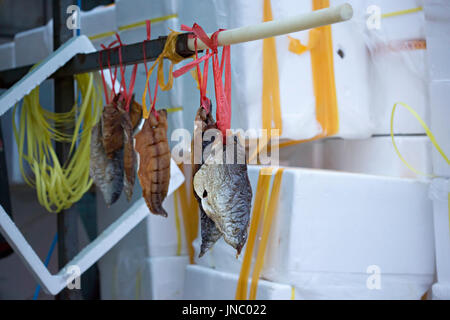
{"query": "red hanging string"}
[(223, 92)]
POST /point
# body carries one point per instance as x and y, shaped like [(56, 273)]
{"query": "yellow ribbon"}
[(401, 12), (170, 53), (261, 203), (271, 110), (177, 223)]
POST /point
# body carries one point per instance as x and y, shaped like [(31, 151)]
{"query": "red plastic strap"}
[(152, 101), (100, 63)]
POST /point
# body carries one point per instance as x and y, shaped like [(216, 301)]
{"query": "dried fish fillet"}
[(135, 113), (107, 173), (111, 127), (129, 156), (209, 232), (225, 192), (154, 161)]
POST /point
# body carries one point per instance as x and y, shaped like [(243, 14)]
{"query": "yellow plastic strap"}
[(58, 186), (292, 293), (189, 210), (427, 131), (270, 211), (170, 53), (271, 110), (177, 222), (401, 12), (260, 199)]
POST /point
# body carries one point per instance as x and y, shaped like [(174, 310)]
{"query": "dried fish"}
[(225, 191), (135, 113), (129, 155), (209, 232), (107, 173), (154, 161), (111, 126)]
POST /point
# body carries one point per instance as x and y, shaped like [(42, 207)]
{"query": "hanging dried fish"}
[(225, 191), (129, 156), (107, 173), (111, 126), (135, 113), (154, 161), (209, 232)]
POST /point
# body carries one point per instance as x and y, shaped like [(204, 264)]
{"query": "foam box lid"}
[(99, 20)]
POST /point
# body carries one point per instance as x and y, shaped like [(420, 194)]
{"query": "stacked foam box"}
[(437, 14), (398, 75), (7, 61), (375, 155), (331, 229), (130, 12), (145, 264), (97, 22), (208, 284)]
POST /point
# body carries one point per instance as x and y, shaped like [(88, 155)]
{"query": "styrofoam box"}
[(375, 155), (437, 28), (439, 190), (102, 19), (131, 11), (334, 225), (138, 278), (40, 39), (156, 236), (208, 284), (7, 54), (398, 75), (440, 115)]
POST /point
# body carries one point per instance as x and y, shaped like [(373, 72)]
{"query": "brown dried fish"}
[(107, 173), (154, 161), (225, 191), (209, 232), (129, 156), (111, 127), (135, 113)]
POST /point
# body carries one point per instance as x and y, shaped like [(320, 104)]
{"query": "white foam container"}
[(207, 284), (439, 191), (40, 39), (99, 20), (437, 28), (331, 226), (440, 115), (398, 75), (374, 156)]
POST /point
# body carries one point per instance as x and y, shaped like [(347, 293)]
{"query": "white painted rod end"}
[(346, 11)]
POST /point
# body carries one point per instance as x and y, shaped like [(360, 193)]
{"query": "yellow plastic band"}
[(175, 109), (427, 131), (58, 185), (132, 26), (401, 12), (170, 53), (292, 293), (189, 210), (177, 223), (260, 199), (271, 109), (270, 212)]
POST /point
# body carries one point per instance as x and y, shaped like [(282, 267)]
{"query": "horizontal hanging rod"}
[(133, 53), (274, 28)]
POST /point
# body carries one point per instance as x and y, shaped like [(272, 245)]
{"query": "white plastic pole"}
[(269, 29)]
